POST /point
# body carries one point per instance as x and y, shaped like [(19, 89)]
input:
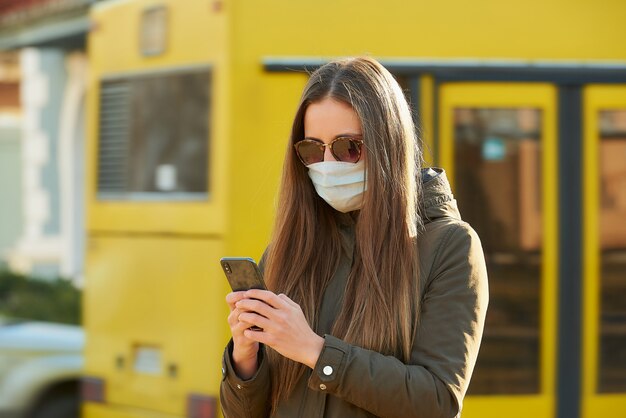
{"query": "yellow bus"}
[(189, 111)]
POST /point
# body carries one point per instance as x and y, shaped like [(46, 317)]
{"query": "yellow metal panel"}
[(606, 405), (596, 98), (542, 96), (196, 33), (196, 36), (586, 29), (515, 406), (266, 104), (427, 114), (94, 410), (162, 293), (591, 245)]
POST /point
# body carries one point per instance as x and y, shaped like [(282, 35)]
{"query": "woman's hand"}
[(284, 327), (244, 349)]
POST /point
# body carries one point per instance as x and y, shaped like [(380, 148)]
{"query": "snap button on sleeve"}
[(327, 376)]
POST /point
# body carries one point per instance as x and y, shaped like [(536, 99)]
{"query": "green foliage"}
[(38, 299)]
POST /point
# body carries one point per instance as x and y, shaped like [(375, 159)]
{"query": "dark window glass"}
[(612, 361), (154, 137), (498, 188)]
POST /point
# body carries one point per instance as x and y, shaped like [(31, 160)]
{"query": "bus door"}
[(498, 144), (604, 208)]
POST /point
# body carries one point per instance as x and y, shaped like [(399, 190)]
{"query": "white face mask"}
[(340, 184)]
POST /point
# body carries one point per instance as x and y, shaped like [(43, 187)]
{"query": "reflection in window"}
[(154, 132), (612, 361), (498, 187)]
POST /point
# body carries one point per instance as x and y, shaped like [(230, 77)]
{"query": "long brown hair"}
[(305, 249)]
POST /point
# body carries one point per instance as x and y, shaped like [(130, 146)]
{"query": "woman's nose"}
[(328, 156)]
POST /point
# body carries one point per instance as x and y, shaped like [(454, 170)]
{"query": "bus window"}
[(612, 348), (154, 137), (498, 187)]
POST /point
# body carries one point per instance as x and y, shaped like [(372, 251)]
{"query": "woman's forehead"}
[(329, 118)]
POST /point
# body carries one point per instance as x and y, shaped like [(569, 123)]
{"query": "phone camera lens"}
[(227, 268)]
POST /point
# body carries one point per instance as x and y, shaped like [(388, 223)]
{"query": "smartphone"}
[(242, 273)]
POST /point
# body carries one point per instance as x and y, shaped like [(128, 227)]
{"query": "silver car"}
[(40, 369)]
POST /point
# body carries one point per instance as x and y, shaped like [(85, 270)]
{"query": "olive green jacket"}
[(349, 381)]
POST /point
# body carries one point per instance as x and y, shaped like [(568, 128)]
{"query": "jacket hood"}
[(437, 198)]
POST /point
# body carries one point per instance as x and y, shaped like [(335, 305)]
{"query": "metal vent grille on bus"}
[(114, 136)]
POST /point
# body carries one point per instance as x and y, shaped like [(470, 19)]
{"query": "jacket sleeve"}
[(444, 352), (244, 398)]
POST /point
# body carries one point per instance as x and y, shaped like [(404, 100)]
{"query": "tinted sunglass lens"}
[(310, 152), (346, 150)]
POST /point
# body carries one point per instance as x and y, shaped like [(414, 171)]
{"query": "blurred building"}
[(10, 153), (44, 227)]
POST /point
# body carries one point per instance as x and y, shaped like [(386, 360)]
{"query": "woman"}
[(378, 288)]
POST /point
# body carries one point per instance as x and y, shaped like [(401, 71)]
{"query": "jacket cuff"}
[(234, 381), (331, 364)]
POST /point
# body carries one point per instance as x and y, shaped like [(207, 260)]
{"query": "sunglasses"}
[(343, 148)]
